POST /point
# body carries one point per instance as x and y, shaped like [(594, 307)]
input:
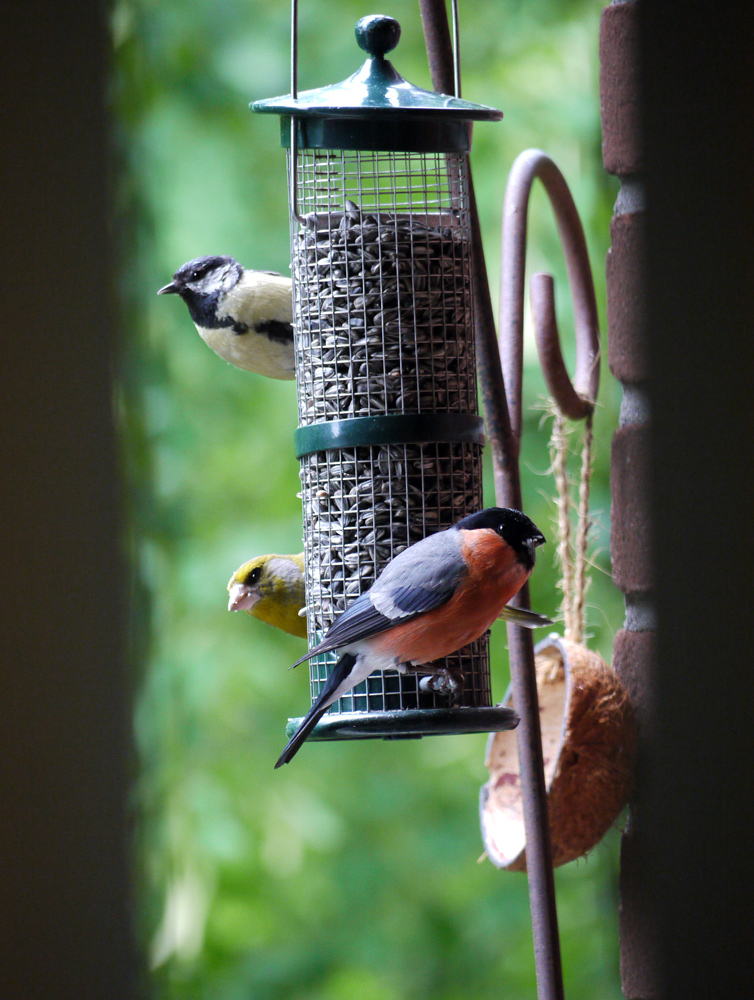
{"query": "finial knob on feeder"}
[(377, 34)]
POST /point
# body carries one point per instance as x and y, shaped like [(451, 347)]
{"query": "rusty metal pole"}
[(505, 454), (575, 401), (497, 421)]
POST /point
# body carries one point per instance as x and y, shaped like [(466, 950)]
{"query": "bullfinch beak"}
[(171, 289), (242, 597), (533, 542)]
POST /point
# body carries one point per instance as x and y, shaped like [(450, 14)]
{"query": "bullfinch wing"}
[(422, 577)]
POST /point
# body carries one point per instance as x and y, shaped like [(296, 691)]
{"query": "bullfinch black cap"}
[(513, 526)]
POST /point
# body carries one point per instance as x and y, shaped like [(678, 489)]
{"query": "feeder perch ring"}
[(394, 429)]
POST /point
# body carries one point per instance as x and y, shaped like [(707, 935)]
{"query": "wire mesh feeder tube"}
[(389, 434), (384, 328)]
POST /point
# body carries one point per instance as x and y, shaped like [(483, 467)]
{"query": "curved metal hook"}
[(575, 399)]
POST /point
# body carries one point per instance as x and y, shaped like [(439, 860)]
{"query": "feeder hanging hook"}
[(575, 399)]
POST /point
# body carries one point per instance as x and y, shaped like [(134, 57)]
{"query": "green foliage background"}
[(353, 872)]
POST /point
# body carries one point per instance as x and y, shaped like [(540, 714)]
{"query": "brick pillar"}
[(630, 542)]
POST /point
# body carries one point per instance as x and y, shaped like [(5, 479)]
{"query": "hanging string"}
[(580, 578), (559, 452), (572, 557)]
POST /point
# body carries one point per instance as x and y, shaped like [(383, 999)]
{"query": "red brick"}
[(625, 298), (630, 539), (619, 88)]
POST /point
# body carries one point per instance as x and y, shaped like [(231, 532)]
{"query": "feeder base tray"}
[(411, 724)]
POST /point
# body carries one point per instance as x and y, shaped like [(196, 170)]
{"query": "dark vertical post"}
[(505, 453), (492, 387), (698, 109), (64, 754), (632, 571)]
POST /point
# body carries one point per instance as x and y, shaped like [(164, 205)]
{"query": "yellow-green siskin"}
[(271, 588)]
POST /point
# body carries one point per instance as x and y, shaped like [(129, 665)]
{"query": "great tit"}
[(245, 316)]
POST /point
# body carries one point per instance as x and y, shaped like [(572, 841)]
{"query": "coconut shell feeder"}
[(587, 724), (589, 745)]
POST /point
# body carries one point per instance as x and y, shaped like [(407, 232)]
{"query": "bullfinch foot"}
[(448, 681)]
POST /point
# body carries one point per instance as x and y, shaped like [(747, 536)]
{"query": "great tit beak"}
[(242, 597), (171, 289)]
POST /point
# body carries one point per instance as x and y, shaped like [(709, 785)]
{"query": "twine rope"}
[(559, 450), (572, 556)]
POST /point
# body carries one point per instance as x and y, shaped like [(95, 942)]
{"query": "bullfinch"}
[(244, 316), (271, 588), (430, 600)]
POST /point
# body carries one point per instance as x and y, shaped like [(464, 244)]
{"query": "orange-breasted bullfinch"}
[(430, 600), (244, 316), (271, 588)]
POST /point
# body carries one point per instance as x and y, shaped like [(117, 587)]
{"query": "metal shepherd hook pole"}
[(502, 407), (574, 402)]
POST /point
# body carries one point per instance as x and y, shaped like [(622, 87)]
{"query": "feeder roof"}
[(377, 93)]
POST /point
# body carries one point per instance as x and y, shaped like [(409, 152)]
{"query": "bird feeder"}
[(389, 436)]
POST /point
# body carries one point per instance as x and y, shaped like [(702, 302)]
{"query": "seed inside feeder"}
[(384, 326), (383, 307)]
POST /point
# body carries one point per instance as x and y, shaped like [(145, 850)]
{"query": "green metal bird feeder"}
[(389, 436)]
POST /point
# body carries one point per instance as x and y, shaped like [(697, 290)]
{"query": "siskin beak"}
[(242, 598), (171, 289)]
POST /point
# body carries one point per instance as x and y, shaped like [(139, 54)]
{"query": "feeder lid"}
[(377, 95)]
